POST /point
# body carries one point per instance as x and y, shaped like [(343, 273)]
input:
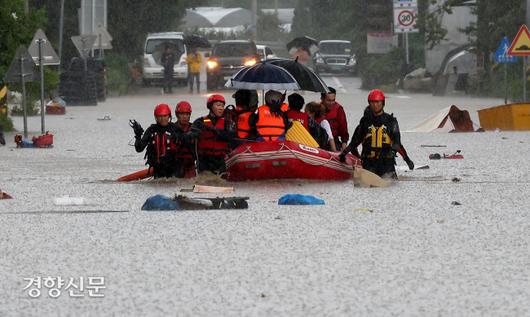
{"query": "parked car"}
[(226, 59), (335, 56), (265, 52), (155, 43)]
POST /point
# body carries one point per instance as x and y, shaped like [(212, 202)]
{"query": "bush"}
[(118, 78), (377, 70), (493, 85), (6, 123), (51, 81)]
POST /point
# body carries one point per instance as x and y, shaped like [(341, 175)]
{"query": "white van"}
[(155, 44)]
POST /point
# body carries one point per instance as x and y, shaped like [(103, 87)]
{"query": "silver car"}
[(335, 56)]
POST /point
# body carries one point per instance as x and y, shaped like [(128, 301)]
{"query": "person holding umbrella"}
[(301, 48), (168, 62)]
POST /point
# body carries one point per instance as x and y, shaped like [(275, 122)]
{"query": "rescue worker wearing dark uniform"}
[(159, 139), (271, 122), (185, 146), (378, 132), (246, 105), (213, 136)]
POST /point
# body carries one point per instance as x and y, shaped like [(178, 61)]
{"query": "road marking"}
[(339, 84)]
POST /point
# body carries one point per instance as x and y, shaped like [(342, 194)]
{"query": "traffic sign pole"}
[(524, 79), (41, 66), (407, 58), (25, 111), (505, 83)]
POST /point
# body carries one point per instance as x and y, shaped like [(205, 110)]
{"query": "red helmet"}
[(376, 95), (183, 107), (162, 109), (213, 98)]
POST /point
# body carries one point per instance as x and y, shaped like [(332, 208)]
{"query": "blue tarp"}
[(298, 199), (160, 202)]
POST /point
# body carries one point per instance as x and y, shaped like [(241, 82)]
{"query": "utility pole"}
[(527, 20), (255, 19), (61, 27)]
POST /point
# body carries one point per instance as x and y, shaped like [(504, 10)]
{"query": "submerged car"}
[(227, 58), (335, 56)]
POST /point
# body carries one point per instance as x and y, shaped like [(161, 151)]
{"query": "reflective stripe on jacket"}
[(208, 140)]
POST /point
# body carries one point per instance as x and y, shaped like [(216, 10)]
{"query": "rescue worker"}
[(246, 105), (270, 122), (336, 117), (296, 103), (159, 139), (378, 132), (185, 146), (168, 62), (212, 136)]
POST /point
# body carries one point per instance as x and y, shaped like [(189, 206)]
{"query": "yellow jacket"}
[(194, 62)]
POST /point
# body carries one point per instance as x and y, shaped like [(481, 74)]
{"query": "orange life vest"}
[(270, 126), (243, 126)]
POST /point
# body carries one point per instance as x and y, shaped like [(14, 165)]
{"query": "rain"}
[(253, 158)]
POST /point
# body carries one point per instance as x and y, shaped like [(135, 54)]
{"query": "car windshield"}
[(335, 48), (234, 49), (159, 44)]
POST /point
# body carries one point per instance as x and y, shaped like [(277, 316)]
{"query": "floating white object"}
[(69, 201)]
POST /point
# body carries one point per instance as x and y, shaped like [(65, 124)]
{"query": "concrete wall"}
[(459, 19)]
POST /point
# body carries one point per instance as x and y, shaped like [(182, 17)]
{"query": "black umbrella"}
[(196, 41), (263, 76), (309, 43), (307, 79)]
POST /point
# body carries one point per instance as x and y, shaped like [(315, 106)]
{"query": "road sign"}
[(405, 3), (405, 19), (84, 43), (49, 57), (501, 54), (22, 60), (521, 43), (103, 40)]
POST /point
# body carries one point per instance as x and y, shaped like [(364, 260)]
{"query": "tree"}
[(17, 29), (130, 21)]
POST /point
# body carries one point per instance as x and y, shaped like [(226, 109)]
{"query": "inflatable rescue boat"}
[(287, 159)]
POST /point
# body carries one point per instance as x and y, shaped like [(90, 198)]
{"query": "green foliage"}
[(493, 85), (5, 121), (132, 20), (51, 81), (118, 78), (377, 70), (17, 28), (269, 27)]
